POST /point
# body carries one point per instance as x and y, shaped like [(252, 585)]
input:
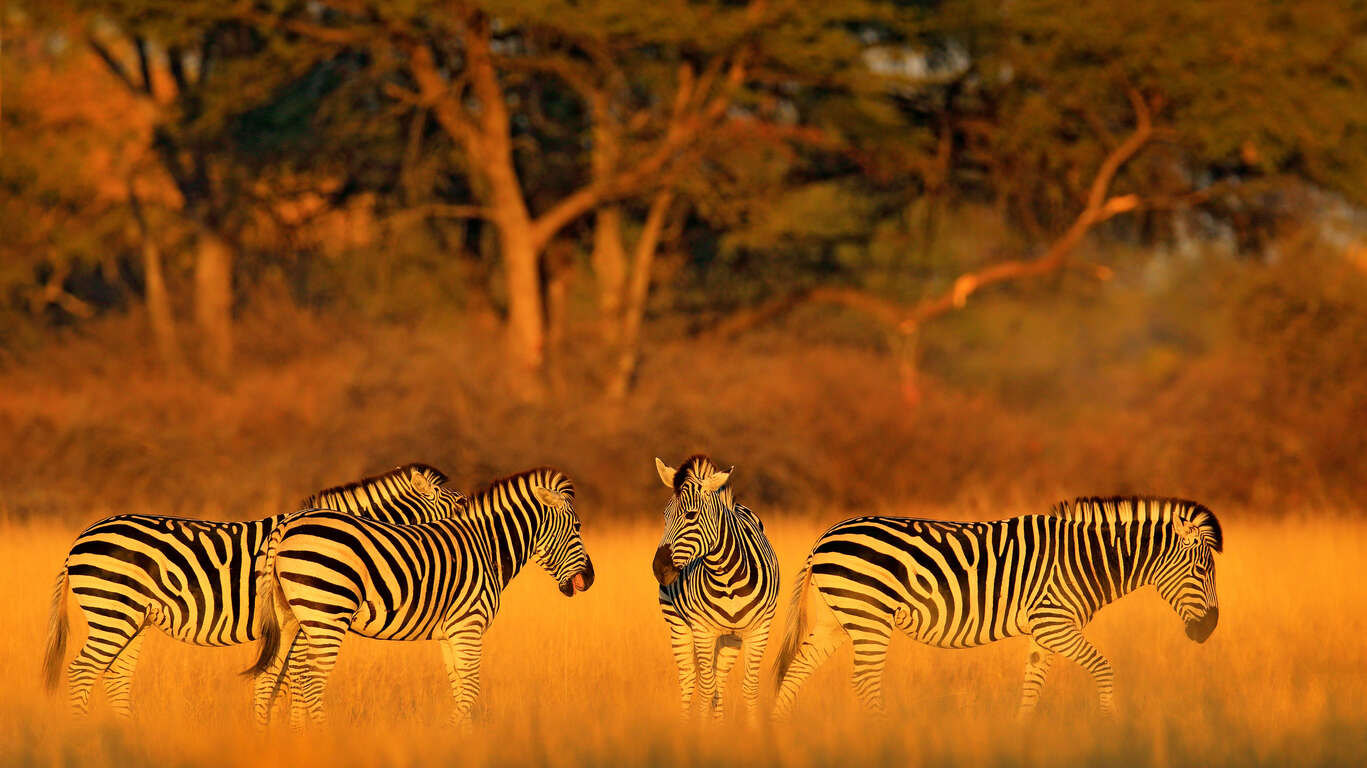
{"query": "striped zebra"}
[(326, 574), (960, 585), (193, 579), (718, 584)]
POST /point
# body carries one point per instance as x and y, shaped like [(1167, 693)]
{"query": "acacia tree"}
[(169, 61), (705, 78), (460, 62), (1068, 116), (653, 83)]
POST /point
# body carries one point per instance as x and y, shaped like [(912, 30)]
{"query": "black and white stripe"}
[(326, 573), (194, 579), (718, 584), (959, 585)]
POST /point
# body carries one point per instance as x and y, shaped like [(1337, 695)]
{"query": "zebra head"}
[(557, 546), (692, 516), (431, 486), (1186, 574)]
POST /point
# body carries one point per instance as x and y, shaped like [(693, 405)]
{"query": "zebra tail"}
[(267, 618), (796, 628), (56, 633)]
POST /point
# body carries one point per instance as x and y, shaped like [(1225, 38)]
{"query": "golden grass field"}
[(589, 680)]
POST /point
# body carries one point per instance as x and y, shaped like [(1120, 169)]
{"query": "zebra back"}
[(412, 493), (1130, 510)]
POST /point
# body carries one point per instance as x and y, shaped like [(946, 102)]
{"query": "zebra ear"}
[(552, 499), (422, 485), (666, 473), (1185, 529), (714, 482)]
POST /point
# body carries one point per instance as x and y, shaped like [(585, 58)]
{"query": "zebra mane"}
[(550, 477), (402, 474), (1122, 510), (699, 464)]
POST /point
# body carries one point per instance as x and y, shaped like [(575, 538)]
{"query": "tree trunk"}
[(526, 311), (610, 270), (159, 306), (557, 266), (638, 289), (214, 305)]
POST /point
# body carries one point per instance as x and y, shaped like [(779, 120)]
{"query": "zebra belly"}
[(424, 610), (917, 620), (964, 611)]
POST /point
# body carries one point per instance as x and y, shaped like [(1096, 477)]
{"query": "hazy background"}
[(878, 255), (947, 259)]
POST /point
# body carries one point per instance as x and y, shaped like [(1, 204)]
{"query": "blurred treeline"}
[(874, 253)]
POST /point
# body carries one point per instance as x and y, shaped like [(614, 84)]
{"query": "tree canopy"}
[(788, 152)]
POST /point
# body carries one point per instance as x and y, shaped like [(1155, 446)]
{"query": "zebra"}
[(193, 579), (719, 584), (325, 574), (960, 585)]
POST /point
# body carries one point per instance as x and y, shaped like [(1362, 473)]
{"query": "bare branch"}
[(176, 64), (113, 64), (435, 93), (905, 320), (143, 66)]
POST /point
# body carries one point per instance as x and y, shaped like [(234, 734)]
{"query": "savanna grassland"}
[(589, 680)]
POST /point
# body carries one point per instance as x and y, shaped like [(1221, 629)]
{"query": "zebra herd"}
[(403, 556)]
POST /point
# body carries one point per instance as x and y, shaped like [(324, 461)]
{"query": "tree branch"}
[(113, 64), (906, 320), (144, 66), (435, 93)]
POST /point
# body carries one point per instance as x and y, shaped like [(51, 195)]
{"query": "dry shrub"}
[(1273, 416)]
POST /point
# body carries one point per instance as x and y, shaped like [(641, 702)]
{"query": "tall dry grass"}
[(589, 680)]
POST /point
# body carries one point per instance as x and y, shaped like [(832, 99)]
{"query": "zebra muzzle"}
[(579, 582), (1200, 629), (663, 566)]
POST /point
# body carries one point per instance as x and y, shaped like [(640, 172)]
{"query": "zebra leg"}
[(823, 640), (870, 655), (728, 649), (755, 644), (295, 673), (681, 643), (322, 642), (704, 651), (461, 652), (118, 679), (1036, 670), (107, 638), (1067, 641), (277, 681)]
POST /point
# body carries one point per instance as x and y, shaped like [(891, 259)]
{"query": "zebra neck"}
[(1113, 559), (726, 558), (505, 537)]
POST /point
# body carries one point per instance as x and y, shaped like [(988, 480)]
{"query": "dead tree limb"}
[(1099, 207)]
